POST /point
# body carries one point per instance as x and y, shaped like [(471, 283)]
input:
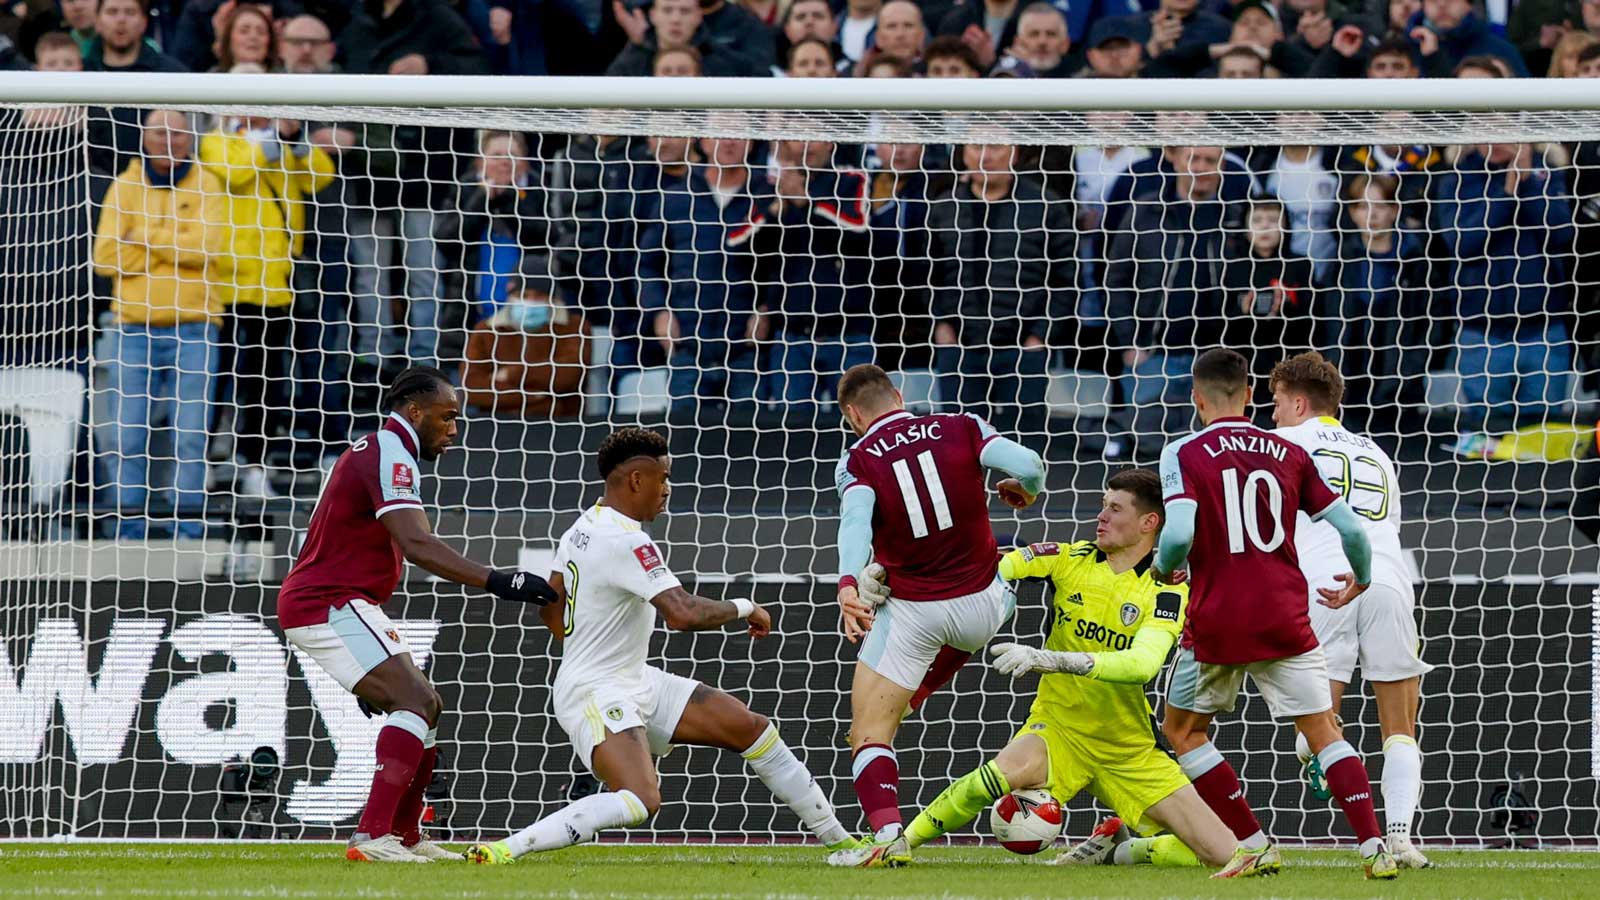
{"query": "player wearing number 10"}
[(912, 492), (1232, 491)]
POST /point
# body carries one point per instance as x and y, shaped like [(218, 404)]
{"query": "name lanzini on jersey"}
[(1245, 443), (921, 431)]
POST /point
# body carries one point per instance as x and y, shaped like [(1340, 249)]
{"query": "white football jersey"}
[(611, 570), (1358, 470)]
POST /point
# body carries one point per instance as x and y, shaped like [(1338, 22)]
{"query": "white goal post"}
[(704, 256)]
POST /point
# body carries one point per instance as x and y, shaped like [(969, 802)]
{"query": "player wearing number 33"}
[(1091, 726), (912, 493), (619, 712)]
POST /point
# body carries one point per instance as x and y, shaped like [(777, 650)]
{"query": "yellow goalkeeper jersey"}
[(1095, 610)]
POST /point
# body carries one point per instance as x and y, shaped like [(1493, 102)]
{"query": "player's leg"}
[(1149, 792), (1195, 828), (900, 648), (1402, 765), (1195, 693), (1337, 634), (622, 760), (715, 719), (405, 750), (1296, 687)]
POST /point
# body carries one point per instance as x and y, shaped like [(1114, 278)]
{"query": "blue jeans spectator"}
[(705, 371), (1513, 379), (157, 374), (1002, 385), (422, 262), (803, 371), (1158, 389)]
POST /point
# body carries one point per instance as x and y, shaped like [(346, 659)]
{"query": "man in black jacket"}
[(417, 37), (682, 23), (115, 135), (1005, 268), (1165, 297)]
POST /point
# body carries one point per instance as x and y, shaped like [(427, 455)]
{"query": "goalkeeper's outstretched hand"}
[(1018, 660), (522, 587), (873, 585)]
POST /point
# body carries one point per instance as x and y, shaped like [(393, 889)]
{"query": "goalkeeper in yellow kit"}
[(1091, 726)]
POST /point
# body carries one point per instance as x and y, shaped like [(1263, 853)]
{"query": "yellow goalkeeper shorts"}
[(1129, 782)]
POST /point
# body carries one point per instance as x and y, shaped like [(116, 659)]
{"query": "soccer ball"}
[(1026, 821)]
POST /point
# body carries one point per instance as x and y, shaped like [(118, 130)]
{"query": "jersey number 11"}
[(936, 497)]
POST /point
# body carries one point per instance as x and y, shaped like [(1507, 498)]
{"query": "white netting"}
[(242, 324)]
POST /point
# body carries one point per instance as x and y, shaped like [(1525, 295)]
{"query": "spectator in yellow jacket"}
[(269, 171), (161, 239)]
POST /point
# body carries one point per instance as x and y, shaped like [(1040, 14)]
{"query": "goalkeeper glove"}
[(872, 584), (1017, 660), (522, 587)]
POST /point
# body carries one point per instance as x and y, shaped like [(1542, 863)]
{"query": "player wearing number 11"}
[(1232, 491), (912, 492)]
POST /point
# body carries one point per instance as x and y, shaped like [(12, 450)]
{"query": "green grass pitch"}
[(65, 870)]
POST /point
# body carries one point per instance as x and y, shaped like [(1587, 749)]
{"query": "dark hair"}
[(412, 384), (794, 48), (685, 49), (1313, 376), (902, 68), (1247, 53), (1483, 63), (55, 40), (1144, 485), (864, 383), (1392, 47), (1387, 185), (144, 6), (625, 444), (1588, 53), (950, 46), (1221, 371)]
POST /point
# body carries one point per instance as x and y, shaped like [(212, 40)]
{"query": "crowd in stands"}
[(251, 273)]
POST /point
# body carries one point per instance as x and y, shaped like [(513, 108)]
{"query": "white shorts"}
[(1292, 686), (356, 638), (1379, 629), (906, 635), (589, 714)]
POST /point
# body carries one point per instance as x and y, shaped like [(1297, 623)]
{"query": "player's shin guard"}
[(958, 804), (1162, 850), (1347, 778), (877, 780), (399, 751), (1219, 786), (790, 781), (408, 816), (1402, 784), (579, 822)]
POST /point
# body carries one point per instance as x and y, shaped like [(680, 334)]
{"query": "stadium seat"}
[(597, 386), (1444, 390), (50, 404), (920, 388), (642, 392), (1077, 394)]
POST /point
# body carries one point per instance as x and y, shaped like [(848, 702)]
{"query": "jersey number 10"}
[(936, 497), (1243, 509)]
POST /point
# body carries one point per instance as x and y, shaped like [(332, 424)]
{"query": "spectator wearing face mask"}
[(528, 358)]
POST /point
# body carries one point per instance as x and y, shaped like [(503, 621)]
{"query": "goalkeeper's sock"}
[(877, 779), (1219, 786), (958, 804), (1162, 850), (399, 752), (790, 781), (1347, 778), (408, 817), (1402, 784), (579, 821)]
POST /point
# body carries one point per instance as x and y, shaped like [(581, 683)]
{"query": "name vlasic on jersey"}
[(1361, 472)]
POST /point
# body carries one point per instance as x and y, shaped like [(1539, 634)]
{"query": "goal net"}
[(206, 281)]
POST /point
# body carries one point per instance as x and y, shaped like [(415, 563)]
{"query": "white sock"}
[(790, 781), (1302, 748), (578, 822), (1402, 784), (1257, 841)]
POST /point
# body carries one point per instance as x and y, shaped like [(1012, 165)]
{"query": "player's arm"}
[(684, 611), (1177, 534), (1022, 465), (554, 614), (1135, 665), (422, 548), (1357, 549), (857, 502), (1032, 561)]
